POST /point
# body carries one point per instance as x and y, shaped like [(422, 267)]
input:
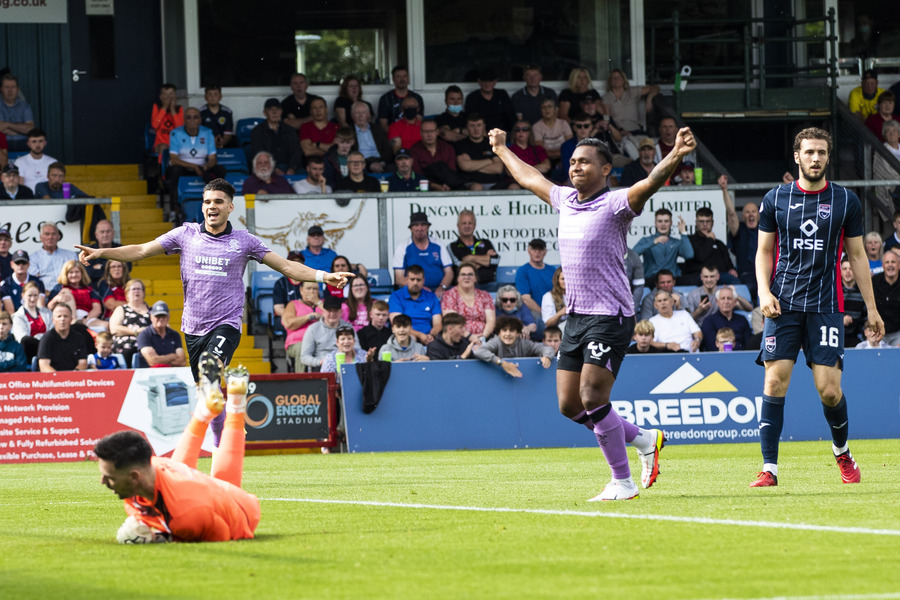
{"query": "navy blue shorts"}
[(221, 341), (596, 339), (819, 335)]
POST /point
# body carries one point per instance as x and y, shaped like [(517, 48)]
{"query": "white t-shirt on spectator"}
[(679, 328)]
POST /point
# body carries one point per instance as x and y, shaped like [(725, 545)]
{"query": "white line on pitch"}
[(575, 513), (890, 596)]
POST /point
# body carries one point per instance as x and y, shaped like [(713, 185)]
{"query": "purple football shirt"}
[(212, 269), (592, 251)]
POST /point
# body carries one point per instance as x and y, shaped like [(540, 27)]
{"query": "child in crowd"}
[(725, 339), (553, 337), (870, 342), (509, 343), (103, 358), (643, 335), (401, 344)]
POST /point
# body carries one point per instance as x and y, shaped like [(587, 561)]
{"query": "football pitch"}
[(481, 524)]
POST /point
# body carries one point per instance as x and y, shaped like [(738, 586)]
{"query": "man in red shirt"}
[(167, 499)]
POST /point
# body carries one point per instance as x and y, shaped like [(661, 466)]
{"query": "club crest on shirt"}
[(824, 211), (770, 343), (233, 246)]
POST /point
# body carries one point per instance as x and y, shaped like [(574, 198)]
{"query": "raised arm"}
[(525, 175), (730, 214), (640, 192)]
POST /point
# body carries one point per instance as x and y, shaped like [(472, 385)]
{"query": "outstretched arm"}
[(525, 175), (640, 192), (300, 272), (129, 253)]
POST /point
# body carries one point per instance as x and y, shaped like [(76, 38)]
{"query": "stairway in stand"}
[(141, 221)]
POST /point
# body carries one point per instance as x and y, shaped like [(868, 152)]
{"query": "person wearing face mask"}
[(405, 131), (452, 122), (390, 103)]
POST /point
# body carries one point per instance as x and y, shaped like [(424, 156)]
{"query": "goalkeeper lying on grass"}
[(167, 499)]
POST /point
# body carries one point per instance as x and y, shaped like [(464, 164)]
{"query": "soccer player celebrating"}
[(813, 221), (213, 258), (593, 223), (167, 499)]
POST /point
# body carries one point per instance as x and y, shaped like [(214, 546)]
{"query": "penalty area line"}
[(597, 514)]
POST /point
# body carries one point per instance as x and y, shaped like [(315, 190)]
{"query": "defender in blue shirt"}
[(810, 223)]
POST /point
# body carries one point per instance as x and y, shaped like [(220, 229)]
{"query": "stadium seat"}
[(14, 155), (34, 364), (744, 292), (245, 127), (263, 281), (506, 275), (190, 198), (237, 180), (137, 361), (380, 281), (233, 160), (292, 179)]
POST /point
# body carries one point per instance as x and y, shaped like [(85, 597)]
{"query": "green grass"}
[(57, 530)]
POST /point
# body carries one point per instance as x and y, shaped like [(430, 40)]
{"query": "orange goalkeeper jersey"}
[(194, 507)]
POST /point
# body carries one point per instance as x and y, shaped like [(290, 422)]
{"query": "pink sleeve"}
[(345, 312), (450, 301)]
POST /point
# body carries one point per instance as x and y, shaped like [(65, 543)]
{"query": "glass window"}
[(262, 47), (465, 36)]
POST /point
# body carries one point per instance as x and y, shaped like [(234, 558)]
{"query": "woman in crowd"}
[(298, 316), (111, 288), (358, 304), (550, 132), (570, 99), (553, 304), (350, 92), (166, 116), (343, 263), (523, 146), (623, 103), (509, 304), (890, 131), (473, 304), (128, 320), (88, 310), (30, 321)]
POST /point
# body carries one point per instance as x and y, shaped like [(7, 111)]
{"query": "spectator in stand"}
[(338, 154), (316, 255), (12, 355), (111, 288), (493, 104), (869, 343), (553, 303), (634, 271), (297, 107), (884, 112), (435, 160), (524, 147), (605, 129), (700, 302), (451, 343), (278, 139), (571, 97), (551, 132), (166, 116), (425, 252), (404, 179), (534, 278), (358, 305), (707, 251), (372, 141), (419, 304), (725, 340), (317, 135), (342, 262), (345, 343), (88, 308), (297, 317), (192, 151), (674, 327), (854, 306), (476, 159), (264, 180), (403, 345), (863, 99), (11, 189), (583, 128), (103, 359), (159, 344), (452, 124), (320, 338), (724, 316), (684, 175), (639, 169), (665, 280), (217, 117), (509, 343), (16, 117), (53, 187), (406, 131), (527, 101), (477, 251), (509, 304), (349, 93), (743, 237), (34, 166), (874, 251), (356, 180), (390, 105), (476, 306), (6, 257), (315, 182), (553, 338), (890, 131), (644, 332), (4, 151), (668, 128), (623, 103), (285, 288), (887, 296), (660, 250), (49, 259), (62, 348), (376, 333), (129, 320), (31, 320), (11, 288), (893, 240), (104, 232)]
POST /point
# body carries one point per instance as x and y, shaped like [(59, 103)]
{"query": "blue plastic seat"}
[(190, 197)]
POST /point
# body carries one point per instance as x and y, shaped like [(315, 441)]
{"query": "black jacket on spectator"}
[(439, 349), (369, 337)]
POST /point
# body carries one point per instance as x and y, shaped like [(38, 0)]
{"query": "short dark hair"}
[(509, 323), (581, 116), (401, 320), (886, 96), (664, 272), (474, 117), (58, 166), (34, 133), (220, 185), (552, 329), (812, 133), (124, 449), (452, 88), (704, 211), (452, 319), (710, 267), (398, 68), (417, 269), (663, 212), (533, 67), (213, 88), (344, 330), (168, 86), (315, 160), (600, 146), (9, 77)]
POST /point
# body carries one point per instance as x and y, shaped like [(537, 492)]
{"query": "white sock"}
[(838, 451), (644, 441), (771, 468)]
